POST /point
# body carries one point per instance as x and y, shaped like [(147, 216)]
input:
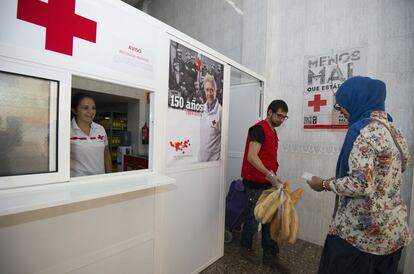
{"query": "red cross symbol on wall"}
[(60, 21), (317, 103)]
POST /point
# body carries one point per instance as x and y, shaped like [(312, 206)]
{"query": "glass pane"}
[(241, 77), (28, 123)]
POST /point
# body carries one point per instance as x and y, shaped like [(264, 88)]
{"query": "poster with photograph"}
[(195, 99), (324, 74)]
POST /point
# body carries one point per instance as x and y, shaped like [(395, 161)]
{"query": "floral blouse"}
[(371, 214)]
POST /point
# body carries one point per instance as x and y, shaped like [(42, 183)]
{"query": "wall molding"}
[(310, 148)]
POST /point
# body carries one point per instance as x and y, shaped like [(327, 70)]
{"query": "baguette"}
[(294, 196), (264, 195), (276, 224), (287, 206), (262, 209), (294, 224), (259, 210), (286, 187), (278, 200)]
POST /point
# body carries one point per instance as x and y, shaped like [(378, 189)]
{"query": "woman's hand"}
[(316, 183), (319, 184)]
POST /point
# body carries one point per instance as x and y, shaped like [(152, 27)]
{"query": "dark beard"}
[(277, 124)]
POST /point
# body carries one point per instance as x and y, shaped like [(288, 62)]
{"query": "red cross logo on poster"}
[(199, 63), (317, 103), (60, 21)]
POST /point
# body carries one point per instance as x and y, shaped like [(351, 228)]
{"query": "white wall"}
[(255, 38), (234, 28), (108, 235), (192, 231), (383, 28), (286, 32), (216, 23)]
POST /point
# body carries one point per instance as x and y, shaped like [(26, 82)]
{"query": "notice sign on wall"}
[(324, 74), (195, 99)]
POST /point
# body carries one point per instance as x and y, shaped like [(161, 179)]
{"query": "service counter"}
[(77, 189)]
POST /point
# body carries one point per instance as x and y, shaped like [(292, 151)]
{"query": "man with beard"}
[(259, 173)]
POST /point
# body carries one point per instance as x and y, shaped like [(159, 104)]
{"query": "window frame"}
[(22, 193), (63, 117), (152, 95)]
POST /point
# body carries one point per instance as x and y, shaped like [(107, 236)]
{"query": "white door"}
[(245, 104)]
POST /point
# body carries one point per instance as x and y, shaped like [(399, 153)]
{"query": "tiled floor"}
[(301, 258)]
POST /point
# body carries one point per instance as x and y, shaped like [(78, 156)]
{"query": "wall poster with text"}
[(324, 74), (195, 99)]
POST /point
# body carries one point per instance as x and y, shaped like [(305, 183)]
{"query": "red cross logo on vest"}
[(60, 21), (317, 103)]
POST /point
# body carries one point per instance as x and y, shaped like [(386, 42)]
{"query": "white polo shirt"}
[(87, 152), (210, 133)]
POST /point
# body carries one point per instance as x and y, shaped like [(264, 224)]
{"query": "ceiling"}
[(133, 3)]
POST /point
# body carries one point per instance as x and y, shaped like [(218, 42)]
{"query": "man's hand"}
[(276, 182), (316, 183)]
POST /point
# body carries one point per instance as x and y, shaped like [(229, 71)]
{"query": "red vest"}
[(267, 154)]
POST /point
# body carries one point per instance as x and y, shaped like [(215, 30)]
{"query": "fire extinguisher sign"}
[(324, 74)]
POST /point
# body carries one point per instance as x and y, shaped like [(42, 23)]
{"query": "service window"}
[(42, 135), (29, 121), (109, 128)]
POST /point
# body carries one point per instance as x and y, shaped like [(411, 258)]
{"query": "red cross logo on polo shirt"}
[(317, 103), (60, 21)]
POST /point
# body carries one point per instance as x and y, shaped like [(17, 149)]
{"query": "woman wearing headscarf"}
[(369, 226)]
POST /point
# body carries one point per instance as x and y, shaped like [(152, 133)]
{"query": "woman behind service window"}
[(89, 153)]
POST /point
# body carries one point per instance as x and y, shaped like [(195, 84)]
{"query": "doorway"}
[(246, 101)]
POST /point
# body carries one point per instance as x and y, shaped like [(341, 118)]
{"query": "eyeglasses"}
[(337, 107), (281, 116)]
